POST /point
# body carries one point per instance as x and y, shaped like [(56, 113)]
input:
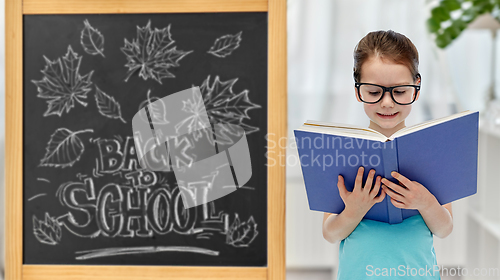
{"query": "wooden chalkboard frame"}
[(277, 128)]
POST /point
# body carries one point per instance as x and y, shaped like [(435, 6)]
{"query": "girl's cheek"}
[(370, 107)]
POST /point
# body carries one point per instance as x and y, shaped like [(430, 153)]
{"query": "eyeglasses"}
[(372, 93)]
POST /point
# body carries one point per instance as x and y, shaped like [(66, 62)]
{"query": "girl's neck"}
[(386, 131)]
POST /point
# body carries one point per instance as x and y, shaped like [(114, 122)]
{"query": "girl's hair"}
[(386, 45)]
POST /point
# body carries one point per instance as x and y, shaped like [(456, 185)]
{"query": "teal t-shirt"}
[(378, 250)]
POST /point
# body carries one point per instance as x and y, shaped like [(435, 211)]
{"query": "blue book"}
[(440, 154)]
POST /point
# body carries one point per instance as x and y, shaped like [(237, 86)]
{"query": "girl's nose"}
[(387, 100)]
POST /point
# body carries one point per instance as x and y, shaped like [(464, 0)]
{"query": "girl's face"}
[(386, 116)]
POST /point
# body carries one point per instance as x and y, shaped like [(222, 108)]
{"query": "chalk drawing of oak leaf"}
[(152, 54), (241, 234), (48, 231), (64, 148), (225, 45), (62, 83)]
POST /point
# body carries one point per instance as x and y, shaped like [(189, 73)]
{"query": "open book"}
[(440, 154)]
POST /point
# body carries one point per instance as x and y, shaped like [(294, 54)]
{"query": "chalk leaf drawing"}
[(92, 40), (64, 148), (241, 234), (62, 84), (152, 54), (157, 110), (48, 231), (107, 105), (196, 122), (225, 45), (222, 106)]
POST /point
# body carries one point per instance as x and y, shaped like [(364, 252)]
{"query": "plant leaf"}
[(440, 14), (432, 25), (92, 40), (443, 40), (451, 5), (62, 84), (225, 45), (64, 148), (107, 105)]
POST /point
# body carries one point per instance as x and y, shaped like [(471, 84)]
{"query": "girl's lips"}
[(388, 116)]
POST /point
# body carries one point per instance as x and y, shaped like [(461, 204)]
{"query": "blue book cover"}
[(440, 154)]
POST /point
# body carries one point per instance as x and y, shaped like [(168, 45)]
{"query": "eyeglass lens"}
[(402, 94)]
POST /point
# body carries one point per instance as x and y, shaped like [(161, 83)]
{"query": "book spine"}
[(390, 160)]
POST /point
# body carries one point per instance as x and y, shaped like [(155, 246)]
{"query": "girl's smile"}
[(387, 115)]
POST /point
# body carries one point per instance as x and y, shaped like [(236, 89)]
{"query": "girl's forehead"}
[(385, 71)]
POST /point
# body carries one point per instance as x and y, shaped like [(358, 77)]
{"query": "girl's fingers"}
[(376, 188), (402, 179), (397, 204), (369, 181), (381, 197), (393, 194), (359, 179), (395, 187), (341, 186)]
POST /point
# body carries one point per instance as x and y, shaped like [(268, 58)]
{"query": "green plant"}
[(450, 17)]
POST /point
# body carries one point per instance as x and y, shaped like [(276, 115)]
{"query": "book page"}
[(354, 128), (344, 130), (420, 126), (368, 133)]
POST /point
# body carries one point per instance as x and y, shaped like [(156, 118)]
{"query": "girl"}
[(387, 82)]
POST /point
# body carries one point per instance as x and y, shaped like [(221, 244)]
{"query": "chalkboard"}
[(86, 200)]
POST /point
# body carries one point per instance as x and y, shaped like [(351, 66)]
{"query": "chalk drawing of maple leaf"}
[(197, 121), (62, 83), (223, 106), (151, 53)]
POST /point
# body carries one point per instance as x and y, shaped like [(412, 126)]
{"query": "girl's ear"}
[(418, 83), (356, 94), (419, 79), (418, 94)]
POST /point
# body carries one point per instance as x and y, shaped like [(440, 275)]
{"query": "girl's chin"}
[(386, 124)]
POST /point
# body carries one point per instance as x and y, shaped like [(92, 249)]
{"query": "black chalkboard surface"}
[(86, 200)]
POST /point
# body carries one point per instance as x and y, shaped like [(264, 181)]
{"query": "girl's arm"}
[(337, 227), (357, 203), (439, 219), (413, 195)]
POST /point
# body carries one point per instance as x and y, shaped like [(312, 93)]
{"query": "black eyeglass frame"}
[(389, 89)]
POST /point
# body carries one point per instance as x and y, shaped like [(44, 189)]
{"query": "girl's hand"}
[(412, 195), (361, 199)]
